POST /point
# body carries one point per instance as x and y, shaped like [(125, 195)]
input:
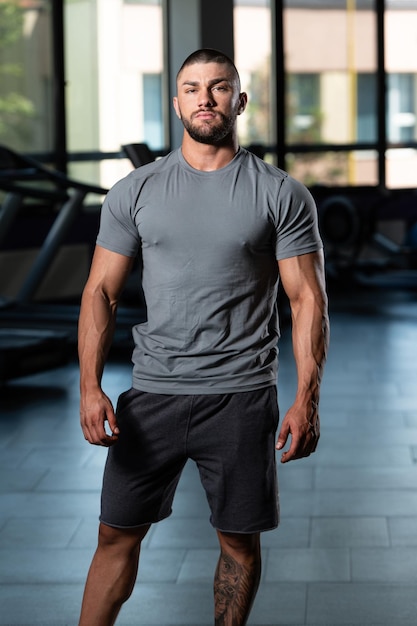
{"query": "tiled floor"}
[(346, 551)]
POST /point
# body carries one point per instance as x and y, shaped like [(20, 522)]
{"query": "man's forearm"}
[(95, 334), (310, 335)]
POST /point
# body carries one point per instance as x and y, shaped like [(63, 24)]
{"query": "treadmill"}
[(27, 347)]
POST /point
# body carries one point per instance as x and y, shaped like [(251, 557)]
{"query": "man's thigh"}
[(232, 440)]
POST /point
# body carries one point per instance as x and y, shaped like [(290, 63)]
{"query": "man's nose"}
[(206, 98)]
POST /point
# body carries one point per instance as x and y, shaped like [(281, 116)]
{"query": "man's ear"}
[(243, 100), (176, 107)]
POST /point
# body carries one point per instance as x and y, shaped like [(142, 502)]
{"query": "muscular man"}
[(216, 228)]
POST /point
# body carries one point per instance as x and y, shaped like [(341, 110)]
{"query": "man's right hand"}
[(95, 410)]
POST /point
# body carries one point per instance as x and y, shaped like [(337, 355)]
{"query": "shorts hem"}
[(127, 526), (247, 532)]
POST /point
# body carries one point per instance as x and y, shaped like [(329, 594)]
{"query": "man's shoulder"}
[(270, 172), (258, 166), (275, 179), (140, 174)]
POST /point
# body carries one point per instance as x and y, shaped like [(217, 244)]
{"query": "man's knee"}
[(121, 538), (240, 543)]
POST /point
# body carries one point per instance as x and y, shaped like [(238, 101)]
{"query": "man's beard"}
[(212, 135)]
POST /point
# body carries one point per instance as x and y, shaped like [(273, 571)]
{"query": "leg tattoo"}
[(235, 586)]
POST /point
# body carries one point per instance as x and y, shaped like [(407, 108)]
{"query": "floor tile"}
[(292, 532), (349, 532), (183, 533), (403, 531), (40, 605), (394, 565), (334, 604), (366, 478), (308, 565), (38, 566), (43, 532), (199, 566)]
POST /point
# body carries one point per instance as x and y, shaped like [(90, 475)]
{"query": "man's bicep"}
[(303, 273), (109, 271)]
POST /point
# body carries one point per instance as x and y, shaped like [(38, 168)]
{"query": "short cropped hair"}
[(209, 55)]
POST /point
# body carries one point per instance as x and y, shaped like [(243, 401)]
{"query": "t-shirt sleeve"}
[(297, 230), (118, 231)]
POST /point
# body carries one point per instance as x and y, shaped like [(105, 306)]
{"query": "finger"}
[(103, 438), (314, 446), (282, 437), (112, 422), (95, 433), (291, 453), (106, 441), (301, 447)]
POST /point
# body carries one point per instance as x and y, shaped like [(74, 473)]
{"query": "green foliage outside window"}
[(16, 110)]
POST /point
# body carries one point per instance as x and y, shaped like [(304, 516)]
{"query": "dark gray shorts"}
[(231, 438)]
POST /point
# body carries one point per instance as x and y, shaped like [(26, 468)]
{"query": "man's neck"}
[(207, 157)]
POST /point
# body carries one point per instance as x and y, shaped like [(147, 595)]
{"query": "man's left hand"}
[(305, 434)]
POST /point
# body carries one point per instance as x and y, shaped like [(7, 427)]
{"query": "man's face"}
[(208, 101)]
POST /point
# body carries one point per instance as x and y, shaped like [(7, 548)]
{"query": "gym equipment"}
[(22, 178), (138, 153), (360, 241)]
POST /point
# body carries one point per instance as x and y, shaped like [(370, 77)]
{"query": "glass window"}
[(25, 75), (334, 169), (114, 67), (402, 107), (366, 108), (401, 67), (401, 168), (331, 87), (252, 38), (304, 116), (329, 46), (152, 110)]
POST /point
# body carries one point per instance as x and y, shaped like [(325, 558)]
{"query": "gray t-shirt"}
[(209, 244)]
